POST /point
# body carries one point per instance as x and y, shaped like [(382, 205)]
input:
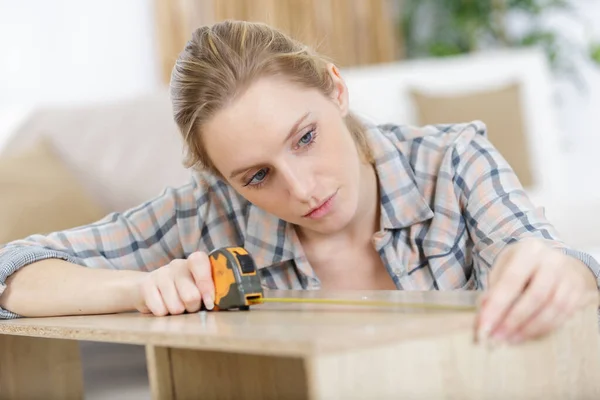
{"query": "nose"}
[(299, 182)]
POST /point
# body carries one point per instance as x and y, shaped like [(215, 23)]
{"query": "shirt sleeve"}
[(143, 238), (496, 208)]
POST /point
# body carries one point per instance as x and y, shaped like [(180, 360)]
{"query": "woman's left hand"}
[(533, 290)]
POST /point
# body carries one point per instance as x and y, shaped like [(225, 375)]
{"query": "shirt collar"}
[(402, 204), (271, 240)]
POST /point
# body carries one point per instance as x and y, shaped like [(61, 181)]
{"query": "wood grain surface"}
[(39, 368), (315, 351), (275, 329)]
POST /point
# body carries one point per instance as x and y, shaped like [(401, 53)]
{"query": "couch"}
[(68, 166)]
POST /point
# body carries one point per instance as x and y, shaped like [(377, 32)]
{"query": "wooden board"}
[(158, 360), (352, 32), (187, 374), (565, 365), (338, 352), (272, 329), (38, 368)]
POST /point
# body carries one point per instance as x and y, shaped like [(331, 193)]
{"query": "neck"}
[(367, 219)]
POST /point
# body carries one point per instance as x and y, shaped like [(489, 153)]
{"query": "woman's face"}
[(286, 149)]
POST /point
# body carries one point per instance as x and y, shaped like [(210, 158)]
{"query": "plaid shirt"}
[(449, 204)]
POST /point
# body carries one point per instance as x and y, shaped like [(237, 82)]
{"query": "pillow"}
[(500, 109), (123, 152), (39, 195)]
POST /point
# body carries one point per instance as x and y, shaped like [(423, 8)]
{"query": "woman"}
[(319, 198)]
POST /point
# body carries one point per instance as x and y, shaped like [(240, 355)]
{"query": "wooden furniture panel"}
[(158, 360), (185, 374), (311, 352), (451, 367), (39, 368), (351, 32)]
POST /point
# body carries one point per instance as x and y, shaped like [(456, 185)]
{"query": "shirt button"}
[(380, 235)]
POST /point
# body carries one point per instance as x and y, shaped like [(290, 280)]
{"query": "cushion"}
[(500, 109), (39, 195), (124, 152)]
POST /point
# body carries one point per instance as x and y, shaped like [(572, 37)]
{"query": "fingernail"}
[(483, 332), (497, 340), (481, 301), (209, 303), (497, 344)]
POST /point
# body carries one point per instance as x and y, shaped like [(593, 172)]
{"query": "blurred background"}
[(85, 124)]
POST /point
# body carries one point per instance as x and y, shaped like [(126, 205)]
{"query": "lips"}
[(321, 208)]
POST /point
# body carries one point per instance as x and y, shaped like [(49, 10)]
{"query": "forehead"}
[(256, 123), (265, 104)]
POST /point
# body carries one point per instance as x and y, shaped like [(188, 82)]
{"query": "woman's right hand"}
[(182, 285)]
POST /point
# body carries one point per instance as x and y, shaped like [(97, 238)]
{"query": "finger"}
[(480, 304), (539, 325), (188, 293), (199, 265), (537, 295), (154, 301), (506, 290), (170, 296), (565, 301), (561, 306)]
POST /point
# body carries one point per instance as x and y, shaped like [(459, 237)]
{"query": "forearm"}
[(55, 287)]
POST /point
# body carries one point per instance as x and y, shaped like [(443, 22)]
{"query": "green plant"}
[(595, 52), (438, 28)]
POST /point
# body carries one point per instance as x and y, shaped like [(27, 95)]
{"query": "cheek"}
[(344, 155), (337, 143), (268, 199)]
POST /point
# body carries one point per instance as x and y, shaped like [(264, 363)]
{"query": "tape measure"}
[(238, 286)]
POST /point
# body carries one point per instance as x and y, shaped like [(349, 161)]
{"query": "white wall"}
[(65, 51), (578, 28), (580, 108)]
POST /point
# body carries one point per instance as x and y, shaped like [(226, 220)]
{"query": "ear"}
[(340, 91)]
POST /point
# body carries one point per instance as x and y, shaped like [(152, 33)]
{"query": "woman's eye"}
[(307, 138), (258, 177)]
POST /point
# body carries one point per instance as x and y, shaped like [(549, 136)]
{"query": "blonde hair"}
[(222, 60)]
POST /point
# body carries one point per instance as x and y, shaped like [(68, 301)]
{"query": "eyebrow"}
[(289, 135)]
